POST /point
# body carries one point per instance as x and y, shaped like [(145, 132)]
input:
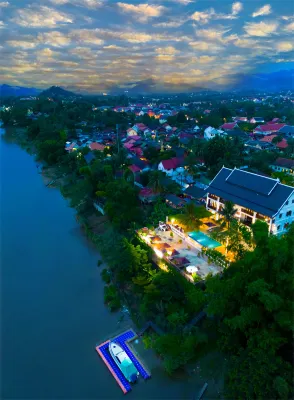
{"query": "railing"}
[(211, 206), (248, 212)]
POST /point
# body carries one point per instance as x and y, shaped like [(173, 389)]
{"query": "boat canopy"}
[(128, 368)]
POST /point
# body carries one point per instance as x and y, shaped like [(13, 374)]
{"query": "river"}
[(52, 310)]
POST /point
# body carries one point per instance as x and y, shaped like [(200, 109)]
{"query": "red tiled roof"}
[(283, 144), (269, 127), (268, 138), (97, 146), (141, 126), (172, 163), (230, 125), (134, 168), (284, 162)]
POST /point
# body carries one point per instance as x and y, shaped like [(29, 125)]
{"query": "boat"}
[(123, 362)]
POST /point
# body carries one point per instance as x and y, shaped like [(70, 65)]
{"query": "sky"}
[(94, 45)]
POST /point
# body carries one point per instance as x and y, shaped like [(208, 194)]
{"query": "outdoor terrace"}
[(178, 249)]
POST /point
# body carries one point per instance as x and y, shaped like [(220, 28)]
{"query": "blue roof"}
[(256, 192)]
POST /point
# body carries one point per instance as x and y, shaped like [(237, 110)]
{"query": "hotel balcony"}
[(211, 206)]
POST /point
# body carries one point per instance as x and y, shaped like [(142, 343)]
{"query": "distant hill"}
[(56, 91), (7, 90), (270, 82)]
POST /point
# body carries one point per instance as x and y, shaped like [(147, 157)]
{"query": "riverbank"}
[(135, 300)]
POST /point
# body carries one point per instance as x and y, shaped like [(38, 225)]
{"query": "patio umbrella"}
[(155, 239), (175, 252), (166, 245), (181, 260)]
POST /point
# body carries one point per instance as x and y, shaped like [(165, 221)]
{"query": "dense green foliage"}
[(254, 304)]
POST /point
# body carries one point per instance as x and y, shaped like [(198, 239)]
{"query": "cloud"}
[(54, 38), (35, 16), (165, 57), (289, 27), (206, 46), (92, 4), (4, 4), (166, 50), (206, 59), (284, 46), (87, 36), (114, 47), (22, 43), (143, 11), (203, 16), (237, 8), (265, 10), (171, 23), (261, 29)]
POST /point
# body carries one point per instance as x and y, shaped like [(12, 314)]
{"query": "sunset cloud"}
[(35, 16), (261, 28), (94, 44), (142, 11), (92, 4), (265, 10)]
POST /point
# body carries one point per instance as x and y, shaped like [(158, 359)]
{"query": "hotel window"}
[(288, 213), (280, 216), (286, 225), (293, 201), (278, 227), (287, 202)]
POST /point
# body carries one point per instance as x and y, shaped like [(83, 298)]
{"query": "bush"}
[(111, 297), (171, 234), (196, 278), (105, 274), (180, 241), (99, 263)]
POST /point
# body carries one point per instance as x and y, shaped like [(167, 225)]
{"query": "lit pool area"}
[(203, 239)]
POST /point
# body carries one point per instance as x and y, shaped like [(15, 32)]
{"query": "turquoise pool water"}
[(203, 239)]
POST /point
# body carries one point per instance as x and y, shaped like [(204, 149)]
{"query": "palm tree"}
[(228, 212), (155, 181), (192, 216)]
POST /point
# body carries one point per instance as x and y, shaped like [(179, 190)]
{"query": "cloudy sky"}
[(92, 45)]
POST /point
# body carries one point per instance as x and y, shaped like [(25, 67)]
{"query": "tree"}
[(255, 329), (277, 139), (155, 181), (284, 178), (181, 117), (192, 216), (121, 203), (229, 212)]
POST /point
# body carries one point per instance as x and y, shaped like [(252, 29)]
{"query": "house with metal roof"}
[(283, 165), (256, 197)]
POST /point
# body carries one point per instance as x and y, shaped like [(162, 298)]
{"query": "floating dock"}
[(122, 339)]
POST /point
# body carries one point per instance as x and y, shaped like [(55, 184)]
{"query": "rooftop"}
[(258, 193)]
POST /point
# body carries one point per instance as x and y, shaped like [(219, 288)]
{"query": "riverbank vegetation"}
[(249, 307)]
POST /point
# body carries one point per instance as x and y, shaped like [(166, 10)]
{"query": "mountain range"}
[(7, 90), (267, 82)]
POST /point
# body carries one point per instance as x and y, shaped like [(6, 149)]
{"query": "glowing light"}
[(158, 253), (172, 220)]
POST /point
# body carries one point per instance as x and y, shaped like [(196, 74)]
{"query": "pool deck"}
[(186, 250), (123, 339)]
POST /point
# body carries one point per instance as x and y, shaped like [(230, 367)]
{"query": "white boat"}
[(123, 362)]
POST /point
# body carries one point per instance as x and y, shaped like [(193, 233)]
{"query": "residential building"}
[(268, 129), (229, 125), (172, 166), (259, 145), (255, 197), (97, 146), (211, 132), (287, 130), (257, 120), (283, 165)]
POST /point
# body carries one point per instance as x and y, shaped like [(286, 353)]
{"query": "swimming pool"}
[(203, 239)]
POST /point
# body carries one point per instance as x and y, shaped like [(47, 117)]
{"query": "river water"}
[(52, 310)]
